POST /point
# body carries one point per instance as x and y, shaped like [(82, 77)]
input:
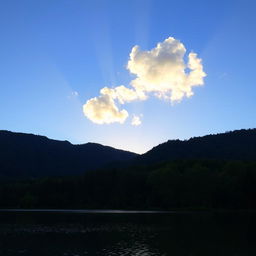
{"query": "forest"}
[(209, 172), (180, 184)]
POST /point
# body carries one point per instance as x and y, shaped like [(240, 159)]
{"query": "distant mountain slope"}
[(236, 145), (28, 155)]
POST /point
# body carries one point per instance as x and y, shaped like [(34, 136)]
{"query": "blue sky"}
[(56, 55)]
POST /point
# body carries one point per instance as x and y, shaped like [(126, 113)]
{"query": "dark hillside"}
[(28, 155), (236, 145)]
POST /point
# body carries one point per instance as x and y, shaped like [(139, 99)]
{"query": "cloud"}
[(73, 95), (123, 94), (162, 72), (103, 109), (136, 120)]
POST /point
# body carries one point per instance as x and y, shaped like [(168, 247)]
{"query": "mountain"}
[(27, 155), (208, 173), (235, 145)]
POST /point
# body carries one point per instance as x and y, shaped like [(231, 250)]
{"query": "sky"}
[(128, 74)]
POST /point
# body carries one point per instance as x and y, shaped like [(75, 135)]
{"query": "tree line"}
[(178, 184)]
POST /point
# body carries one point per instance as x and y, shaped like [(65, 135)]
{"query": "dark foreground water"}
[(106, 233)]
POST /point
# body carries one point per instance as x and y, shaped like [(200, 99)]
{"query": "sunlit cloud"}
[(136, 120), (103, 109), (161, 72), (123, 94)]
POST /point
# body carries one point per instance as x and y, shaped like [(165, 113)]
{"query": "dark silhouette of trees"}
[(236, 145), (180, 184), (211, 172), (29, 156)]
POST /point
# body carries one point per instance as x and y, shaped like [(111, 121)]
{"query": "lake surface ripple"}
[(75, 233)]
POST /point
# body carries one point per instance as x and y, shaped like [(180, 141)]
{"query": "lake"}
[(115, 233)]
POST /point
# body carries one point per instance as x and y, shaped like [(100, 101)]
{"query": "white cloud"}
[(136, 120), (73, 95), (123, 94), (103, 109), (161, 71)]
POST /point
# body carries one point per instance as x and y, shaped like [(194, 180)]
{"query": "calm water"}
[(106, 233)]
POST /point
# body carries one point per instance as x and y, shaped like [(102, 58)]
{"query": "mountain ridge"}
[(66, 141), (28, 155), (209, 172), (232, 145)]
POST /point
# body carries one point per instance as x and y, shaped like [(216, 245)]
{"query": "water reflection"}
[(69, 234)]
